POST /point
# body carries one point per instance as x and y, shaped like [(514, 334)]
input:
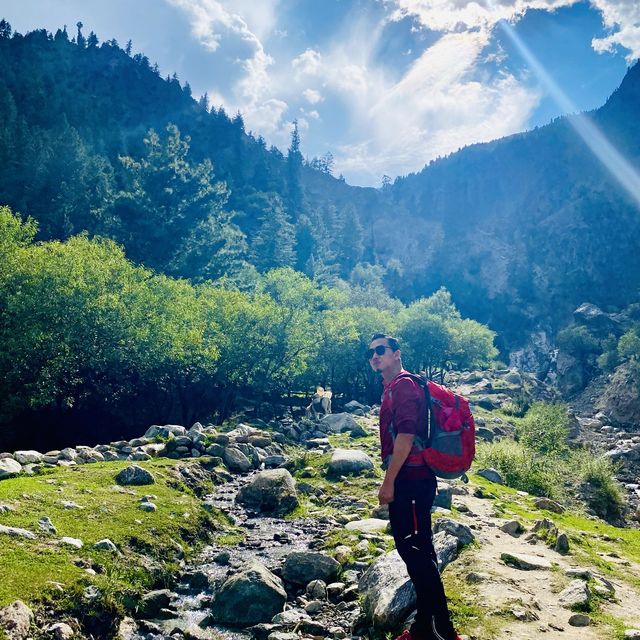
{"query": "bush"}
[(599, 486), (578, 342), (519, 467), (545, 429)]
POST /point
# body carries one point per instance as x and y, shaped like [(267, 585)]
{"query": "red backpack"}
[(450, 445)]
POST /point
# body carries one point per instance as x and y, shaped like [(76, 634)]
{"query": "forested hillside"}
[(521, 230)]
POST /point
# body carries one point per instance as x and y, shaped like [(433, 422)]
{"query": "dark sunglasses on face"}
[(380, 349)]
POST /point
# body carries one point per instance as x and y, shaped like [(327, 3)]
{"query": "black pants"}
[(410, 516)]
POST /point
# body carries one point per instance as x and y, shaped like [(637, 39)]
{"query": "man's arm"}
[(401, 449)]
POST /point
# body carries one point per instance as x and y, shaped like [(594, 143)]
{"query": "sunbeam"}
[(619, 167)]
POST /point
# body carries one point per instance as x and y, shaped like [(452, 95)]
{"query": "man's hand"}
[(385, 494)]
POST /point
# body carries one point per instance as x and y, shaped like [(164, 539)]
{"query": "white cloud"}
[(307, 63), (435, 109), (622, 17), (457, 15), (312, 96)]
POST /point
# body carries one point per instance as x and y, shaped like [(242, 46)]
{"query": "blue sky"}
[(384, 85)]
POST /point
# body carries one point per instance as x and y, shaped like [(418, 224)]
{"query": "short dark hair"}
[(391, 341)]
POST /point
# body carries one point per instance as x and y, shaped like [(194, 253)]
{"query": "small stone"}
[(632, 633), (47, 526), (61, 631), (106, 545), (148, 506), (548, 505), (579, 620), (562, 543), (72, 542), (512, 527)]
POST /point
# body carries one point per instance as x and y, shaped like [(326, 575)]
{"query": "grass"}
[(148, 542)]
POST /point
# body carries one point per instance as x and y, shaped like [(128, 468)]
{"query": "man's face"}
[(386, 360)]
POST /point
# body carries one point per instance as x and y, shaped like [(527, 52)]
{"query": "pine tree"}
[(273, 245), (295, 198)]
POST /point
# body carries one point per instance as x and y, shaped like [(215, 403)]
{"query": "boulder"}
[(388, 595), (460, 531), (236, 460), (353, 406), (302, 567), (134, 475), (17, 532), (446, 547), (492, 475), (28, 457), (15, 620), (577, 594), (548, 505), (165, 431), (270, 491), (9, 467), (338, 422), (348, 462), (154, 601), (251, 596), (444, 496)]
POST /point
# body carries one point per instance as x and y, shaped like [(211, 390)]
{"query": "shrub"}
[(577, 341), (545, 429), (519, 467), (599, 486)]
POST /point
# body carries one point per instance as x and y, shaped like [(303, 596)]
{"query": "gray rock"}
[(369, 525), (348, 462), (579, 620), (28, 457), (314, 606), (15, 620), (632, 633), (525, 561), (576, 594), (61, 631), (251, 596), (548, 505), (270, 491), (444, 496), (147, 506), (562, 543), (16, 532), (165, 431), (235, 460), (338, 422), (388, 595), (301, 567), (353, 406), (106, 545), (446, 547), (491, 475), (458, 530), (154, 601), (317, 589), (9, 467), (291, 617), (46, 525), (134, 475), (512, 527), (72, 542)]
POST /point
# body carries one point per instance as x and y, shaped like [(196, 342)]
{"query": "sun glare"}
[(619, 167)]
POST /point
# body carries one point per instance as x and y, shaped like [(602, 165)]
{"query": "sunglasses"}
[(380, 349)]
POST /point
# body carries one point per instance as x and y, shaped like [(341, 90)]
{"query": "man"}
[(409, 487)]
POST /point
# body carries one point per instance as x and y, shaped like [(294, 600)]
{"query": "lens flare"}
[(619, 167)]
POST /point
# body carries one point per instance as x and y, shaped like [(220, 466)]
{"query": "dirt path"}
[(532, 595)]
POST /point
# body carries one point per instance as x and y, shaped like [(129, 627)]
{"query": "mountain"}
[(521, 230)]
